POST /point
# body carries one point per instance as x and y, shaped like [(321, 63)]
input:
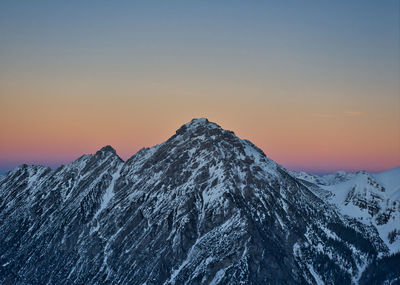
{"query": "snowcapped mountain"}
[(371, 198), (204, 207)]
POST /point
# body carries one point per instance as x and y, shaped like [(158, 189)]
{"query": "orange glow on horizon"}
[(47, 129), (315, 86)]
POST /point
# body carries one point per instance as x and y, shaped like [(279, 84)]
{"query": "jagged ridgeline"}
[(204, 207)]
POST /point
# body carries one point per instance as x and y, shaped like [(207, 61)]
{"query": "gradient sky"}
[(315, 84)]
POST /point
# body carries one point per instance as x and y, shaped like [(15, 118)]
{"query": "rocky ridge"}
[(204, 207)]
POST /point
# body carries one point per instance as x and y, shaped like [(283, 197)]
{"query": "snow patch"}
[(109, 193)]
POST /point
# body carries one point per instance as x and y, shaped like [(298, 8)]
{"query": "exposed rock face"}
[(204, 207)]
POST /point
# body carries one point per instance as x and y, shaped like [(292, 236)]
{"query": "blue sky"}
[(293, 61)]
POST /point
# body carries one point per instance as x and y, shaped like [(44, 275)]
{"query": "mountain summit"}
[(204, 207)]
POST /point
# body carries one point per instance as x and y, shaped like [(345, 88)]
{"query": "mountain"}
[(204, 207), (325, 179), (373, 199)]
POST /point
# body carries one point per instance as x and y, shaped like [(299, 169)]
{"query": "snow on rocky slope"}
[(371, 198), (204, 207)]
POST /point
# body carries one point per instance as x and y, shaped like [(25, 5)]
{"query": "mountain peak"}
[(200, 126), (107, 149), (201, 122)]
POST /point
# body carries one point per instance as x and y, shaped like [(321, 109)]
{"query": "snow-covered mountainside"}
[(204, 207), (371, 198), (326, 179)]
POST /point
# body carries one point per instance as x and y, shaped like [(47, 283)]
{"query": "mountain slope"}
[(373, 199), (204, 207)]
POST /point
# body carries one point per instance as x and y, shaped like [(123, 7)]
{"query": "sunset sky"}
[(315, 84)]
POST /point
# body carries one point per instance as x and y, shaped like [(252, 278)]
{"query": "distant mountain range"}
[(204, 207), (373, 199)]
